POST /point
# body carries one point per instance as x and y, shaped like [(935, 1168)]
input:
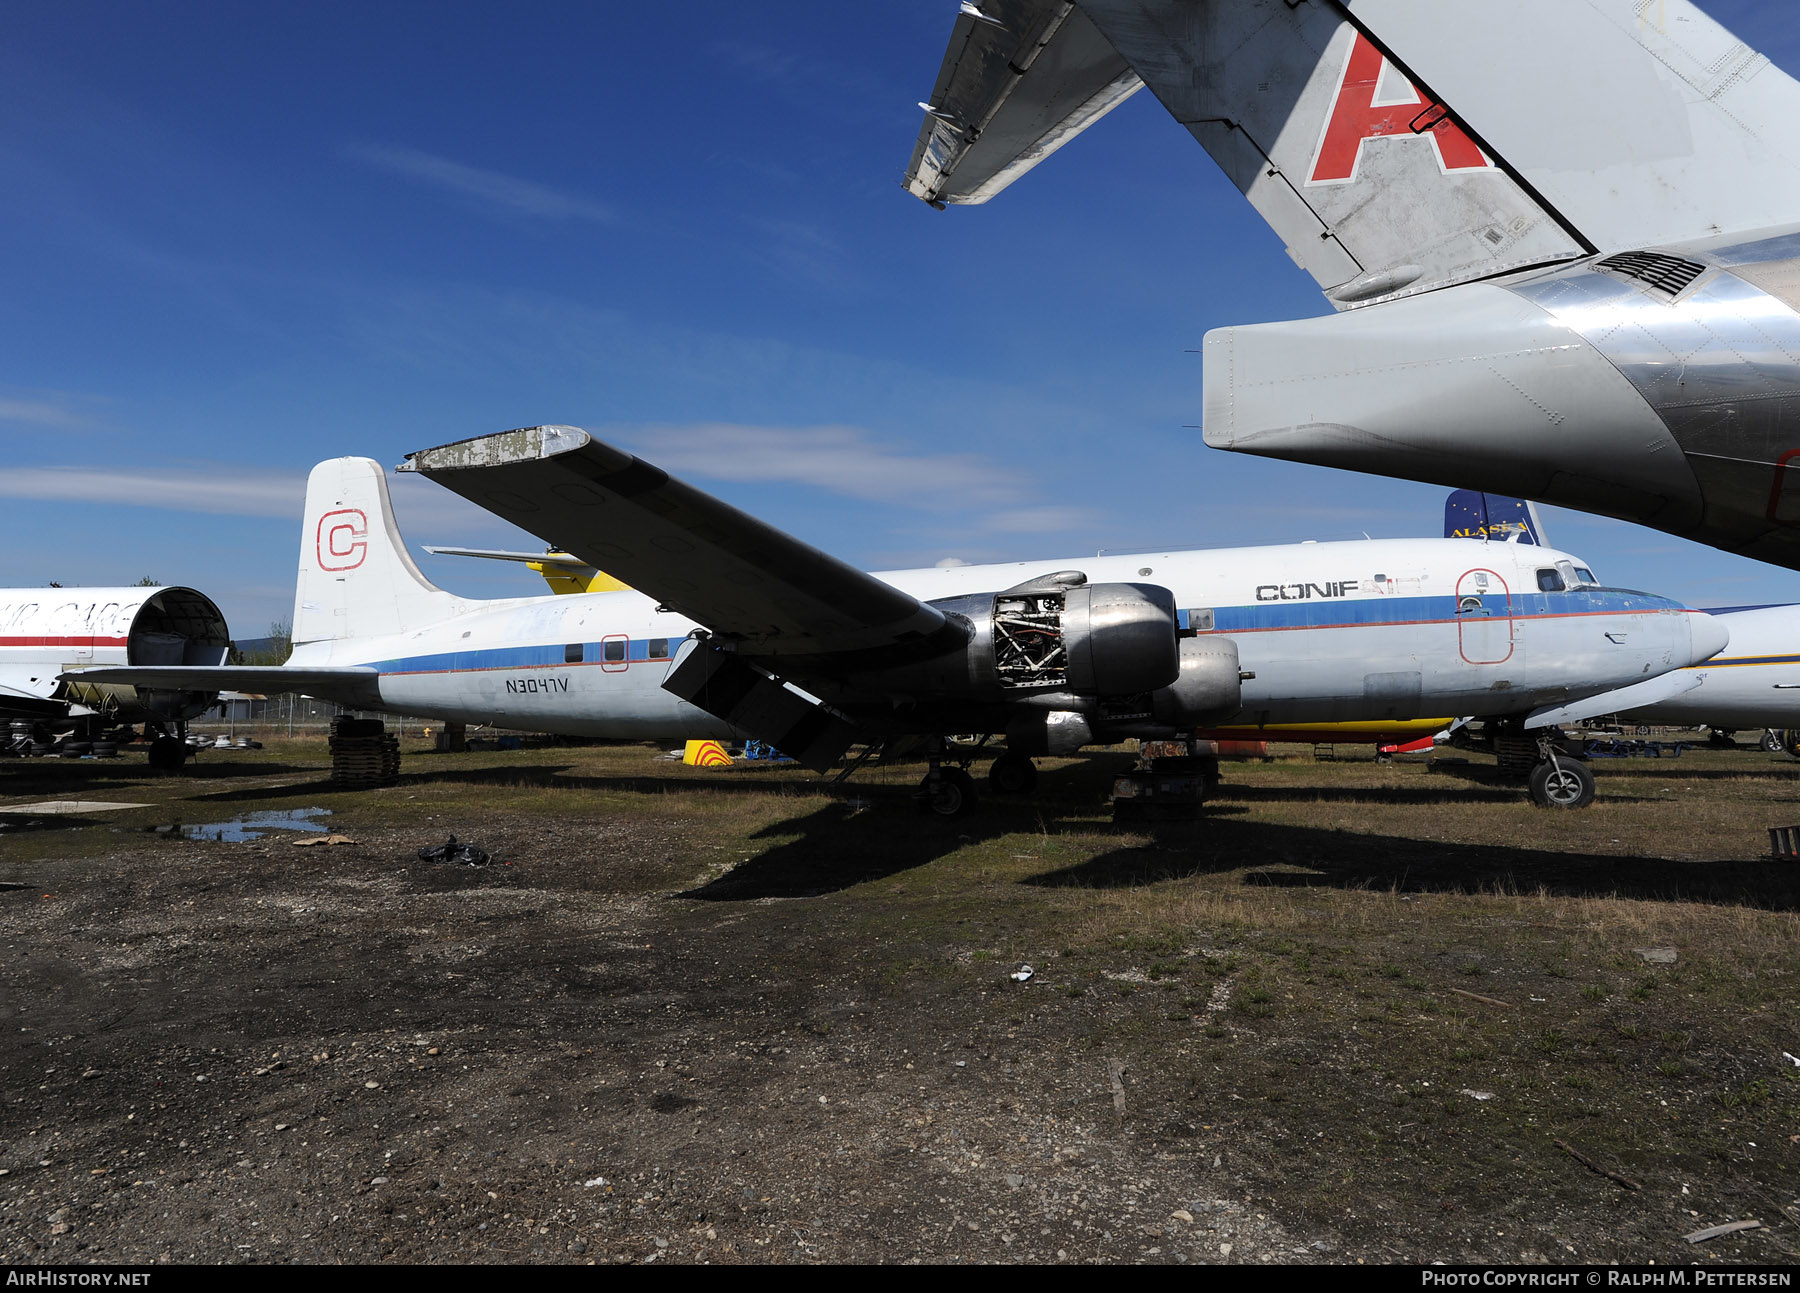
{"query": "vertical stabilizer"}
[(356, 578), (1471, 514)]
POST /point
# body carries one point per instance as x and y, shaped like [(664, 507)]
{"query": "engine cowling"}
[(1055, 634), (1209, 690)]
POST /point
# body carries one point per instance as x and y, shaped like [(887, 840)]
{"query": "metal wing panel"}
[(1639, 123), (1373, 184), (743, 579), (355, 686), (1017, 83)]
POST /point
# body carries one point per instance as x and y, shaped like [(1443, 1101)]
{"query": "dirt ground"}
[(1361, 1013)]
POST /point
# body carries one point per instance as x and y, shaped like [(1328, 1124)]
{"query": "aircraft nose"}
[(1709, 636)]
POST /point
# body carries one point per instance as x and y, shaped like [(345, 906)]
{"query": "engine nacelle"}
[(1055, 634), (1209, 690)]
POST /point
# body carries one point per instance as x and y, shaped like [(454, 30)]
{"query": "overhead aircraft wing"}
[(1398, 146), (1019, 80), (1636, 121), (353, 686), (752, 585)]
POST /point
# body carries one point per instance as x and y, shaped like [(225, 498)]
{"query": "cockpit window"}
[(1586, 576), (1549, 581)]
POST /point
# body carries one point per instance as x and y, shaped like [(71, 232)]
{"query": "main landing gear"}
[(1012, 774), (168, 752)]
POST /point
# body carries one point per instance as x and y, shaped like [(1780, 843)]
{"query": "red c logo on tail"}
[(342, 540), (1355, 117)]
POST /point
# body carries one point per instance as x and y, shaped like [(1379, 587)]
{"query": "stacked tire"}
[(363, 755)]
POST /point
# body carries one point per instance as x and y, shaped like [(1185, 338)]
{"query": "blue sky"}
[(239, 239)]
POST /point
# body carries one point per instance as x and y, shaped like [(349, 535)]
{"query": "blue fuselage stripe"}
[(1297, 614)]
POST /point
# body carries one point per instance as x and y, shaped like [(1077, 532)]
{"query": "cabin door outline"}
[(1484, 617)]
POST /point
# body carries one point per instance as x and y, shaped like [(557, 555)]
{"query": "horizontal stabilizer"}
[(751, 701), (1652, 691), (1019, 80), (356, 687), (771, 594), (499, 554)]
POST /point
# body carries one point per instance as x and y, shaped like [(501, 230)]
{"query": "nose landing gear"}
[(1559, 781), (1012, 774)]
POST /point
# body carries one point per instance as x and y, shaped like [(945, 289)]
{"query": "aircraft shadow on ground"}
[(1452, 791), (1281, 856), (878, 831), (74, 778)]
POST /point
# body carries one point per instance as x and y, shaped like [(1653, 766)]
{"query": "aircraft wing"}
[(1398, 146), (26, 707), (1019, 80), (354, 686), (1649, 692), (768, 593)]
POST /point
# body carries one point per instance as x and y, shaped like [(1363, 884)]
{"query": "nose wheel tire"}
[(1772, 743), (1567, 783), (1012, 774), (950, 794)]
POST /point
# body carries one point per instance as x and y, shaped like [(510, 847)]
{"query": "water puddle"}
[(253, 826)]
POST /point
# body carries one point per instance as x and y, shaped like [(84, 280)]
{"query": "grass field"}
[(1396, 1005)]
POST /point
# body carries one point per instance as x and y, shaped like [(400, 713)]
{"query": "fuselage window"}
[(659, 649), (615, 651), (572, 653), (1200, 621), (1549, 581)]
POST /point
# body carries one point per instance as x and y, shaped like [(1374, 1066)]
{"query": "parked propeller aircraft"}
[(1586, 244), (733, 628), (47, 631)]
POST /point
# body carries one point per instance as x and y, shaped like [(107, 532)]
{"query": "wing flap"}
[(1020, 78), (357, 687), (748, 582)]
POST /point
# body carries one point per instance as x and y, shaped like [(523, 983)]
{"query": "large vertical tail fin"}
[(356, 578)]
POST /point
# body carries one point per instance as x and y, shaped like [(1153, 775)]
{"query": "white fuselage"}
[(1754, 682), (47, 631), (1332, 632)]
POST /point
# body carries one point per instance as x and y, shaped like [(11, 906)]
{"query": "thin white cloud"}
[(203, 487), (1041, 520), (40, 414), (843, 459), (498, 192)]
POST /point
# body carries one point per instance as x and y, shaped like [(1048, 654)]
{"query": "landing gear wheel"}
[(1567, 783), (1772, 743), (1012, 774), (168, 753), (951, 794)]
